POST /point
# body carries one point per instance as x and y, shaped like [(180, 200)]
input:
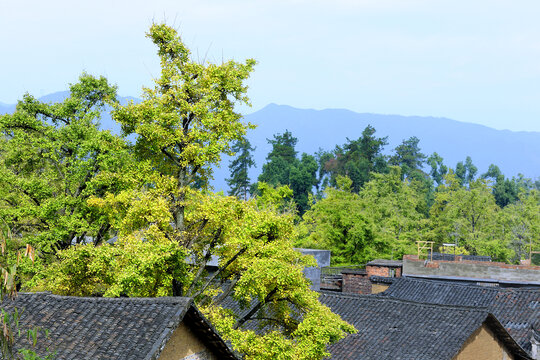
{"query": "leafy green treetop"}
[(505, 190), (466, 172), (381, 221), (438, 169), (339, 223), (276, 170), (188, 120), (521, 224), (468, 217), (52, 160), (284, 168), (408, 157), (283, 146), (169, 231), (356, 159)]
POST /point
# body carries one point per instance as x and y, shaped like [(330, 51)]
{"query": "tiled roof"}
[(518, 310), (402, 330), (110, 328), (382, 279), (384, 262), (441, 292)]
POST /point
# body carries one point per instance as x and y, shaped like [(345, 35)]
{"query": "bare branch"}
[(207, 257), (220, 270), (256, 308)]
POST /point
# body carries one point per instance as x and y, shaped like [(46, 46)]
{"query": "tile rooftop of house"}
[(398, 329), (518, 310), (110, 328), (384, 262)]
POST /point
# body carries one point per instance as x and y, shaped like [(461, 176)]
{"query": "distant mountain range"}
[(6, 108), (514, 152)]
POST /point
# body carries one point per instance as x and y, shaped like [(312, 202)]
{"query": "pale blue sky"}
[(476, 61)]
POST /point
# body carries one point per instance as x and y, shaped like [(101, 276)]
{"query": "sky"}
[(474, 61)]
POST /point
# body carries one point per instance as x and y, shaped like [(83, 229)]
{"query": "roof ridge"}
[(398, 300), (162, 299), (467, 286), (443, 282)]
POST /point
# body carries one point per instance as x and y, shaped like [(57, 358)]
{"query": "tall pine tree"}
[(239, 182), (284, 168), (356, 159)]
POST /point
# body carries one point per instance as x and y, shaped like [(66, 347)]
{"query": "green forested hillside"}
[(362, 204)]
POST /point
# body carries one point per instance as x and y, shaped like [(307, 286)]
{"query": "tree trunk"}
[(181, 197)]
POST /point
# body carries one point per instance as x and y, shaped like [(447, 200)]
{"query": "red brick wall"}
[(378, 270), (355, 283)]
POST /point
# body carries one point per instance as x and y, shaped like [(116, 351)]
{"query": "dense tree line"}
[(361, 204)]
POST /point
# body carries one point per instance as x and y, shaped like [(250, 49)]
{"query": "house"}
[(360, 281), (477, 271), (391, 328), (167, 328), (518, 309), (465, 269)]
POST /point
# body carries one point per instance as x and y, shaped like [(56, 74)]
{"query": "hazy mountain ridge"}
[(514, 152)]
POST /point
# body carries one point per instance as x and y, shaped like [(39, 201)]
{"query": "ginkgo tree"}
[(170, 226), (187, 121)]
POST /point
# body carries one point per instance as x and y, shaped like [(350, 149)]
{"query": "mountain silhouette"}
[(514, 152)]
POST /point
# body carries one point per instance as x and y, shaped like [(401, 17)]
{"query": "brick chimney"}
[(355, 282), (384, 268)]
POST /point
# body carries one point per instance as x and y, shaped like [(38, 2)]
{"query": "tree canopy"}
[(52, 160), (356, 159), (381, 221), (284, 168), (169, 226)]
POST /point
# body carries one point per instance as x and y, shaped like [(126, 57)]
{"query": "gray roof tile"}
[(518, 310), (398, 329), (107, 328)]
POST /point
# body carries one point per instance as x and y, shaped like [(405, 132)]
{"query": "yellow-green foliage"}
[(187, 120), (254, 245), (130, 267), (381, 221), (168, 231), (306, 340), (458, 250)]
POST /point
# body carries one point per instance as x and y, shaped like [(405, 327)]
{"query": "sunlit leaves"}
[(381, 221), (52, 157), (188, 120), (468, 217)]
